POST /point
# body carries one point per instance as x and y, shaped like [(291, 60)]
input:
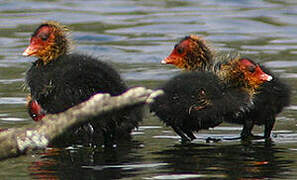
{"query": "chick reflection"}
[(80, 162), (235, 161)]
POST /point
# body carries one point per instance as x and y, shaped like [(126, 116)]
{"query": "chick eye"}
[(180, 50), (252, 69), (43, 36)]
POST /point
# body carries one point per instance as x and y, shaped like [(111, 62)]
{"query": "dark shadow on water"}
[(253, 160), (85, 162)]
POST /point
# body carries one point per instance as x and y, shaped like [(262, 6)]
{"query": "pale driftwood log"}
[(17, 141)]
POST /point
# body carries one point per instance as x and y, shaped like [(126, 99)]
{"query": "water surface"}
[(134, 35)]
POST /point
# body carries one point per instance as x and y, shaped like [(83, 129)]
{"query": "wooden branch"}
[(17, 141)]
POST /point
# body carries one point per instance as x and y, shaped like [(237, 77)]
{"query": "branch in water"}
[(17, 141)]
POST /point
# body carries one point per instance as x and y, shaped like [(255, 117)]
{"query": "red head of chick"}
[(191, 53), (48, 42), (243, 73)]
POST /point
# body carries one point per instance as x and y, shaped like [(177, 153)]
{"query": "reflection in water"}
[(239, 161), (78, 162), (37, 169)]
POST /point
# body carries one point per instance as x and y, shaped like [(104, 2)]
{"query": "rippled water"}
[(134, 36)]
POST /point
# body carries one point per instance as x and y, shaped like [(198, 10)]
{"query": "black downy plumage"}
[(198, 100)]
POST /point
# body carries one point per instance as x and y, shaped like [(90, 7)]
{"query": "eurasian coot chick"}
[(58, 80), (193, 54), (200, 100)]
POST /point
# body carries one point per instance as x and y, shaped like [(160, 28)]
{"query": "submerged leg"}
[(181, 134), (268, 127), (246, 133), (190, 135), (211, 139), (247, 129), (109, 137)]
